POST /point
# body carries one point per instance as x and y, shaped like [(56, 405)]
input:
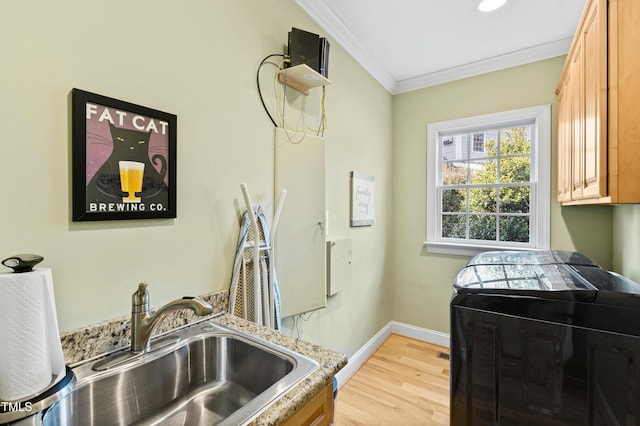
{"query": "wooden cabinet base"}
[(317, 412)]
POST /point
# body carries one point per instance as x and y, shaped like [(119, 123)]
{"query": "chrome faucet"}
[(143, 323)]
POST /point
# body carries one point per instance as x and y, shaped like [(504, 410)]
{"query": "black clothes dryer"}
[(544, 338)]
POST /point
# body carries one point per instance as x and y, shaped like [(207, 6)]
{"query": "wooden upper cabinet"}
[(564, 145), (624, 99), (594, 161), (576, 101), (599, 107)]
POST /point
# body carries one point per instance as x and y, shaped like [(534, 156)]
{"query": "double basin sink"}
[(204, 374)]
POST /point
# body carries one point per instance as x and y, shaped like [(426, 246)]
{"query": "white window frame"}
[(480, 143), (540, 181)]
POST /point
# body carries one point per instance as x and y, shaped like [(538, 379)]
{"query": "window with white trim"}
[(478, 142), (488, 182)]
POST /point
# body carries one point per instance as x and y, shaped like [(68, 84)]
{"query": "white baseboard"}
[(393, 327), (362, 355), (419, 333)]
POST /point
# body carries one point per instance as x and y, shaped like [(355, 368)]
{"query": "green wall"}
[(422, 281), (198, 61), (626, 249)]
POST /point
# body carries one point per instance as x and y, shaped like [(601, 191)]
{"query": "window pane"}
[(491, 145), (514, 228), (515, 199), (515, 169), (515, 140), (454, 173), (455, 148), (478, 142), (485, 181), (453, 200), (483, 171), (482, 200), (482, 227), (454, 226)]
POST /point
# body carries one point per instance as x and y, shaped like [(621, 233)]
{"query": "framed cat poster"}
[(123, 160)]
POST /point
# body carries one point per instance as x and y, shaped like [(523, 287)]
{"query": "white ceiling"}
[(410, 44)]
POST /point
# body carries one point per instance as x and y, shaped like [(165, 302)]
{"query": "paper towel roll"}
[(31, 358)]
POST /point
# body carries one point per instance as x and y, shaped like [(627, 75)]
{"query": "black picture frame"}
[(107, 136)]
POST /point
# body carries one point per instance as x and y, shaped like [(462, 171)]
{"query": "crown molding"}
[(330, 23), (339, 32), (496, 63)]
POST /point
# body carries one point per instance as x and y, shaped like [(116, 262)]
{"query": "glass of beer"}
[(131, 173)]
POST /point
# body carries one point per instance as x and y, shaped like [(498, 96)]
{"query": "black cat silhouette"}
[(128, 145)]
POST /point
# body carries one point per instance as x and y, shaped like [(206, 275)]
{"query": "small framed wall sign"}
[(362, 199), (124, 160)]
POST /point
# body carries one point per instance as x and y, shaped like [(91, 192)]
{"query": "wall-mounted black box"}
[(304, 48), (324, 57), (309, 49)]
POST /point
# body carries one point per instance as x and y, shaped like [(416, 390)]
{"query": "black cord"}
[(258, 84)]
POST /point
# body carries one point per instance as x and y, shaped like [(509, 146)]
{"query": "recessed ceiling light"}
[(489, 5)]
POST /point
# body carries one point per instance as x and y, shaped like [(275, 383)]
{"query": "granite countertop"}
[(99, 339), (329, 363)]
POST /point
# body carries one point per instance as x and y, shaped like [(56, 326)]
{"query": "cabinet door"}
[(319, 411), (564, 145), (594, 162), (623, 108), (575, 97)]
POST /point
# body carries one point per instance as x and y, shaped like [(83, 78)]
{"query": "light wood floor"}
[(403, 383)]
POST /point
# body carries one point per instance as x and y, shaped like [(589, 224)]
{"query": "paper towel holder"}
[(11, 411), (22, 262)]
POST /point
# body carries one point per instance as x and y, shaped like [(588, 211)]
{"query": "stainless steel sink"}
[(211, 375)]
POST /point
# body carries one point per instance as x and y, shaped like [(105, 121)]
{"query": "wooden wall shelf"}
[(302, 78)]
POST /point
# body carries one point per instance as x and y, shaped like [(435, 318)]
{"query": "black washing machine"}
[(544, 338)]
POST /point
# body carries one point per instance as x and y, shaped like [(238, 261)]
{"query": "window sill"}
[(466, 250)]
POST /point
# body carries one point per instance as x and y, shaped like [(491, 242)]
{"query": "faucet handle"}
[(140, 299)]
